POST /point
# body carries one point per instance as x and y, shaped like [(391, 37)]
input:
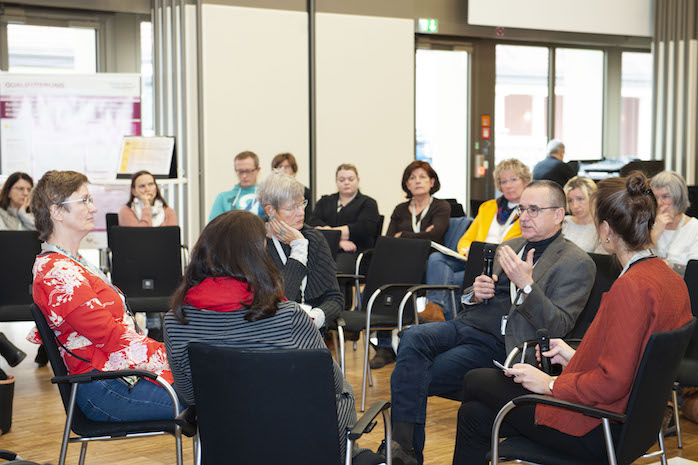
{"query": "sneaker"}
[(433, 312), (399, 455), (382, 358)]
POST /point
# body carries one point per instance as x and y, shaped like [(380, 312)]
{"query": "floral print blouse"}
[(90, 319)]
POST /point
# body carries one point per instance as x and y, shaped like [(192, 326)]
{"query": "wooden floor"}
[(39, 418)]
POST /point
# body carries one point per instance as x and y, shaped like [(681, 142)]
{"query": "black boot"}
[(41, 358), (7, 393), (12, 354), (402, 447)]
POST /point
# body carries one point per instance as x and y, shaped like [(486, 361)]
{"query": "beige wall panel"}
[(365, 102), (255, 91)]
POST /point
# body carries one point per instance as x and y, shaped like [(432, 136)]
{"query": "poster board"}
[(67, 122)]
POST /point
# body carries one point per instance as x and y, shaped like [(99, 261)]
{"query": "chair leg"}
[(335, 340), (196, 440), (677, 425), (610, 449), (340, 333), (660, 440), (366, 372), (83, 453), (178, 444), (68, 422)]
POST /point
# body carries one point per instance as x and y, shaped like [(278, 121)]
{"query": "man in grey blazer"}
[(540, 280)]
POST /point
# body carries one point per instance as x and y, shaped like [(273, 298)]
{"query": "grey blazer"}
[(562, 280)]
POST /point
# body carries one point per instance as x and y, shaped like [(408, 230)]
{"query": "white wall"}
[(365, 102), (255, 91), (621, 17)]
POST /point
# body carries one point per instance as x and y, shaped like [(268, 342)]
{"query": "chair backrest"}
[(691, 279), (146, 262), (18, 250), (456, 229), (456, 208), (607, 270), (692, 201), (112, 220), (379, 229), (396, 260), (265, 406), (332, 236), (49, 341), (475, 206), (476, 263), (651, 388)]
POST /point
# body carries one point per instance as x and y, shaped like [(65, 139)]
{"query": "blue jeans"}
[(111, 400), (442, 269), (432, 359)]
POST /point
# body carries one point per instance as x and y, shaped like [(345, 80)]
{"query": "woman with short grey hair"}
[(299, 251), (675, 235)]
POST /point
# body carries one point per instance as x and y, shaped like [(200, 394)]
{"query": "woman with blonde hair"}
[(579, 225)]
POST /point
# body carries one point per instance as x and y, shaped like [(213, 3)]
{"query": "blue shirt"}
[(239, 198)]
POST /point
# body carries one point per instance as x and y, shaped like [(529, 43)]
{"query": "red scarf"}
[(220, 295)]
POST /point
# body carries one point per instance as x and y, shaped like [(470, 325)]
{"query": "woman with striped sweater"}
[(231, 295)]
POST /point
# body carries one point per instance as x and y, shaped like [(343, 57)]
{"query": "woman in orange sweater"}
[(496, 221), (646, 298)]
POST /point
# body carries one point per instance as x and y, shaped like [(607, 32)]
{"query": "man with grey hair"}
[(552, 167)]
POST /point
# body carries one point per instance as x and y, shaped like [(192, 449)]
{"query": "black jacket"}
[(361, 215), (553, 169)]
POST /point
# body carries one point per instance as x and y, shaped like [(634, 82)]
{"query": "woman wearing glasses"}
[(14, 203), (146, 207), (298, 250), (87, 313)]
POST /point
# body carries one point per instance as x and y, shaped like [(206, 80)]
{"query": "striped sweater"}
[(290, 328)]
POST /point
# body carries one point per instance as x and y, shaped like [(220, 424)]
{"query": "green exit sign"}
[(428, 25)]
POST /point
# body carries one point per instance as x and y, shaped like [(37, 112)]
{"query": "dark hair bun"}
[(638, 184)]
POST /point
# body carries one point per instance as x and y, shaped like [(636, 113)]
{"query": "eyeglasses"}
[(533, 210), (87, 200), (295, 207), (245, 172)]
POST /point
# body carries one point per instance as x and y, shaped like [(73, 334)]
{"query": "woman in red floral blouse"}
[(87, 313)]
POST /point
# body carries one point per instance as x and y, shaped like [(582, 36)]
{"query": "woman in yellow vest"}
[(496, 221)]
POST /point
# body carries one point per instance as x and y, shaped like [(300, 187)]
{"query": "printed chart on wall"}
[(67, 122)]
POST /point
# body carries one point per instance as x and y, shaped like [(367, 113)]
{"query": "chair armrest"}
[(367, 421), (575, 407), (422, 287), (97, 375), (359, 259), (385, 287), (350, 276), (574, 343), (188, 421)]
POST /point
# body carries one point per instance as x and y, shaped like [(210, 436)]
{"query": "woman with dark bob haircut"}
[(88, 314), (231, 294), (422, 216), (646, 298)]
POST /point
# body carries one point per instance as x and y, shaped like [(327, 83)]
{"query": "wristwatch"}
[(527, 289)]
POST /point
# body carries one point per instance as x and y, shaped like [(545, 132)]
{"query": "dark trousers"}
[(431, 360), (486, 392)]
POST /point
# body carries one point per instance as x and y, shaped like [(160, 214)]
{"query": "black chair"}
[(641, 422), (112, 220), (259, 407), (475, 206), (688, 368), (332, 236), (146, 264), (18, 250), (693, 201), (396, 265), (607, 270), (456, 208), (87, 430)]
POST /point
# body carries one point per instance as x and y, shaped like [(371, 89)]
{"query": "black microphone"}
[(488, 263), (544, 346)]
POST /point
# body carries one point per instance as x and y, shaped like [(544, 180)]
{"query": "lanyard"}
[(417, 225), (647, 253), (282, 256), (48, 247)]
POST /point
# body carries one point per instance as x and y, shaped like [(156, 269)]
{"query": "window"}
[(147, 105), (636, 105), (41, 49), (579, 91), (441, 117), (521, 99)]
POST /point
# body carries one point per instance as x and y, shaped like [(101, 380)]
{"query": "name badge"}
[(504, 324)]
